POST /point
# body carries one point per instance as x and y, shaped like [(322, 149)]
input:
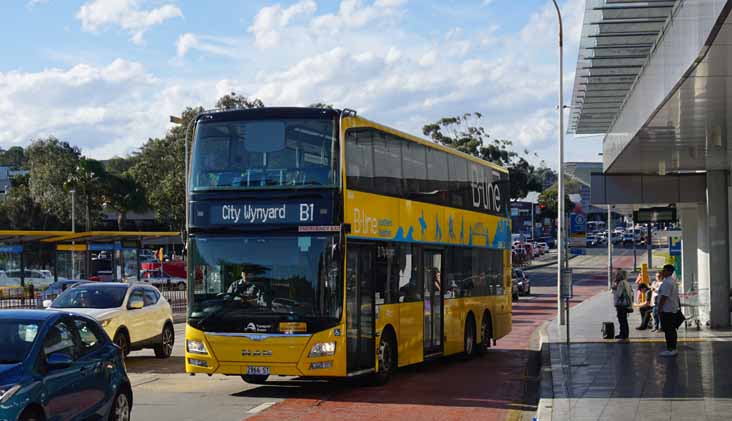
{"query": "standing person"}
[(654, 300), (668, 306), (622, 293)]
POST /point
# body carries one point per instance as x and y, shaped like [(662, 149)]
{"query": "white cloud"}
[(270, 20), (353, 14), (126, 14), (213, 45)]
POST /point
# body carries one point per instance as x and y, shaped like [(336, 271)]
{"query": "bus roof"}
[(310, 112), (363, 121)]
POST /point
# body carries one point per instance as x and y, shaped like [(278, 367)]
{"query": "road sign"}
[(577, 223), (647, 215), (674, 246), (578, 251)]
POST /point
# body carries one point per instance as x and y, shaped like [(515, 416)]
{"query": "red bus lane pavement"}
[(490, 387)]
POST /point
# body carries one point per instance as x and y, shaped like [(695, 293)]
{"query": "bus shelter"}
[(42, 257)]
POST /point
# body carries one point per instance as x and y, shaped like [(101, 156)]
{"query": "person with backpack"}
[(622, 299)]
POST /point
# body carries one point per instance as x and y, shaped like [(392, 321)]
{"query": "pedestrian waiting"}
[(670, 310), (654, 298), (623, 301), (644, 305)]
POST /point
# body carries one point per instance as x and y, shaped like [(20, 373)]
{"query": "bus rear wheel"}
[(470, 341), (255, 378)]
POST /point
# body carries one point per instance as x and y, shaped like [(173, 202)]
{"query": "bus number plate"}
[(258, 371)]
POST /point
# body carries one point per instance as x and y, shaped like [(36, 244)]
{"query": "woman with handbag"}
[(622, 293)]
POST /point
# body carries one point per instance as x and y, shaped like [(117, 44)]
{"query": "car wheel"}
[(121, 408), (31, 415), (469, 342), (122, 340), (167, 340), (255, 379), (182, 286)]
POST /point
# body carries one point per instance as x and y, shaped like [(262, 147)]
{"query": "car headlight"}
[(105, 323), (7, 392), (322, 349), (196, 347)]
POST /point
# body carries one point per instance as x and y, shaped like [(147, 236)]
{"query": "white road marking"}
[(261, 407)]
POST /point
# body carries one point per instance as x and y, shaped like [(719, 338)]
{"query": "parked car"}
[(164, 279), (136, 316), (56, 288), (522, 282), (56, 365), (40, 278), (544, 247)]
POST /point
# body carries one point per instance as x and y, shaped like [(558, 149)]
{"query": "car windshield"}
[(17, 337), (92, 296), (297, 277), (256, 154)]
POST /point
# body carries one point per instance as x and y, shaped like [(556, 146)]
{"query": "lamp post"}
[(561, 252), (73, 229)]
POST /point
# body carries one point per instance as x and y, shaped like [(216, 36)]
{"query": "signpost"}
[(577, 229), (565, 288)]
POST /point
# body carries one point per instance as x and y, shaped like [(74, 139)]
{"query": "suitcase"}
[(608, 330)]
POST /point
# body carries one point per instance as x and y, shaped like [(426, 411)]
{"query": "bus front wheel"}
[(470, 341), (255, 378), (387, 358)]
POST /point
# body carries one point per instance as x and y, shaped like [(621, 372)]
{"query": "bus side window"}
[(386, 274), (410, 289)]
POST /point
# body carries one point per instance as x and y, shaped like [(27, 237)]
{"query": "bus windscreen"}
[(271, 153)]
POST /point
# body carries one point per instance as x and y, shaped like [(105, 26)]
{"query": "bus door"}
[(359, 310), (432, 272)]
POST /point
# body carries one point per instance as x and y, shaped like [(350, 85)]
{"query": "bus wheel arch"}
[(486, 331)]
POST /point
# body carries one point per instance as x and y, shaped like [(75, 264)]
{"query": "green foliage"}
[(88, 181), (321, 105), (234, 101), (465, 134), (51, 162), (19, 211), (14, 158), (548, 198)]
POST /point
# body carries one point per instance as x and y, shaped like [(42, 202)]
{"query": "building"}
[(652, 77), (6, 175)]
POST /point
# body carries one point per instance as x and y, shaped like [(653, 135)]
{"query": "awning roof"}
[(617, 39), (19, 236)]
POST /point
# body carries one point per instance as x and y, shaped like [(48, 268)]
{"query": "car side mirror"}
[(135, 304), (47, 303), (59, 360)]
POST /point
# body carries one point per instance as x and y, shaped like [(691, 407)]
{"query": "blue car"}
[(60, 366)]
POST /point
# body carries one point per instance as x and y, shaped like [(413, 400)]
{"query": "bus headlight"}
[(196, 347), (322, 349)]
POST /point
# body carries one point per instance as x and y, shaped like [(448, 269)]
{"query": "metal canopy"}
[(618, 36)]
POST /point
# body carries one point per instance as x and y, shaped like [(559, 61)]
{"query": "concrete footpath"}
[(596, 379)]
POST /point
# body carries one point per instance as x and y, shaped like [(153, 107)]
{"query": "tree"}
[(465, 134), (51, 162), (122, 194), (87, 180), (14, 158), (321, 105), (234, 101), (548, 198), (19, 211)]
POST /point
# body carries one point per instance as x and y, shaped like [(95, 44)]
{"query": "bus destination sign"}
[(268, 213)]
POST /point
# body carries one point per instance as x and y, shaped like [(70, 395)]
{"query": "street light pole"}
[(561, 252), (73, 229)]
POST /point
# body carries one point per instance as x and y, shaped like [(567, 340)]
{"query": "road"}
[(491, 387)]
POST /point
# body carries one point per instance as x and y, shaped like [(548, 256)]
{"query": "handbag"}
[(679, 317)]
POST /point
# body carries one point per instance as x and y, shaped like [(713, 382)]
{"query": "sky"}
[(105, 75)]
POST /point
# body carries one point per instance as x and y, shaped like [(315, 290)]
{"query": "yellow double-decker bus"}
[(323, 244)]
